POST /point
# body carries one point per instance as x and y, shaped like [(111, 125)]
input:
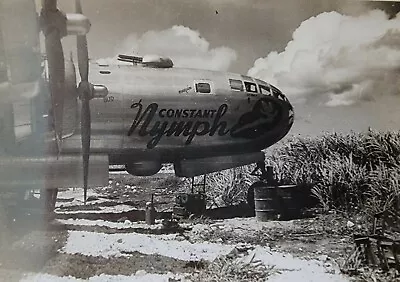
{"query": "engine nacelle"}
[(143, 168), (77, 24), (196, 167)]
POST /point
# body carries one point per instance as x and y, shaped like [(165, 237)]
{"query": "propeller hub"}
[(99, 91), (85, 90), (77, 24)]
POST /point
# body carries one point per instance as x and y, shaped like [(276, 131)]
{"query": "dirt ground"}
[(116, 212)]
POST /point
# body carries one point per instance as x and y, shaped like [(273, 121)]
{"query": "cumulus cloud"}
[(345, 58), (183, 45)]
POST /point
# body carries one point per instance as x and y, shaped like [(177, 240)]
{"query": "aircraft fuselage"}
[(170, 114)]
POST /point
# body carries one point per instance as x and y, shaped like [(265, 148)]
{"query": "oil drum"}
[(281, 202)]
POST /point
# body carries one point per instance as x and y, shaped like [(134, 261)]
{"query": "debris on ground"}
[(92, 243), (380, 248)]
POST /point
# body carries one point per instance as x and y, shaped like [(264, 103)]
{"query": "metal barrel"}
[(277, 202), (292, 201), (266, 206)]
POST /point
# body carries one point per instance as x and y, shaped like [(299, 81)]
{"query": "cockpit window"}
[(265, 90), (271, 90), (203, 87), (251, 87), (275, 91), (236, 84), (278, 94)]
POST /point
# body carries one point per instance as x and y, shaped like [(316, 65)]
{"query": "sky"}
[(252, 28), (314, 57)]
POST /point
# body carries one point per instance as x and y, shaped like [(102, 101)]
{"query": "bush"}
[(347, 171), (229, 187)]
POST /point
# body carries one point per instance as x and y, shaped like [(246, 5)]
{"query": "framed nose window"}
[(236, 84), (203, 87)]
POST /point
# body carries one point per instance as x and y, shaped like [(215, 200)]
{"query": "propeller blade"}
[(78, 7), (83, 57), (85, 90), (55, 57), (49, 4), (56, 68), (82, 49), (85, 134), (85, 112)]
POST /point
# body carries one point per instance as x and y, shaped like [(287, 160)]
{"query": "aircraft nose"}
[(290, 112), (278, 94), (270, 90)]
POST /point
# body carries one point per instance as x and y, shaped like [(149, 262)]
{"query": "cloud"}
[(183, 45), (346, 59)]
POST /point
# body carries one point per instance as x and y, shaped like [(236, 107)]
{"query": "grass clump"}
[(229, 187), (224, 188), (352, 173), (233, 268), (348, 172)]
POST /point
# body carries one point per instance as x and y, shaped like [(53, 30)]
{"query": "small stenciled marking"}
[(108, 99), (185, 90)]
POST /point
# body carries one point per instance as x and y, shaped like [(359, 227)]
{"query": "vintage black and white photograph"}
[(207, 140)]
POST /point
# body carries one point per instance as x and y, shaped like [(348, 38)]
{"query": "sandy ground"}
[(107, 240)]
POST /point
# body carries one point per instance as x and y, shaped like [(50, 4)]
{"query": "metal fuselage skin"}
[(162, 115), (204, 120)]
